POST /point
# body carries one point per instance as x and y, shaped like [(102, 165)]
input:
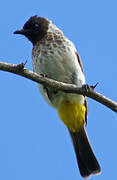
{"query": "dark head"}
[(34, 29)]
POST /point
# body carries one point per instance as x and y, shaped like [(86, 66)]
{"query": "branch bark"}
[(68, 88)]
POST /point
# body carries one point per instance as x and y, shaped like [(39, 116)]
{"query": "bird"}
[(55, 57)]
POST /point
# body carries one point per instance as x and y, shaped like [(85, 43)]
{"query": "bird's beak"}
[(21, 31)]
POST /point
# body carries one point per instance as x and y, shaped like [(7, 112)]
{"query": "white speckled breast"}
[(55, 57)]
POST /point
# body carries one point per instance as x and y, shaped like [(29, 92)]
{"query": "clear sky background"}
[(34, 144)]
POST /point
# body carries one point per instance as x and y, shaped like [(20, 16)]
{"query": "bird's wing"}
[(86, 101)]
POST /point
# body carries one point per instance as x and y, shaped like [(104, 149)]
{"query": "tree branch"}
[(68, 88)]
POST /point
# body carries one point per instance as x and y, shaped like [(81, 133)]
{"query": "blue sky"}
[(34, 144)]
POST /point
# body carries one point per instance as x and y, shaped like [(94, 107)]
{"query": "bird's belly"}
[(62, 67)]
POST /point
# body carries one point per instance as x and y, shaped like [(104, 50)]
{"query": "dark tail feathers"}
[(86, 159)]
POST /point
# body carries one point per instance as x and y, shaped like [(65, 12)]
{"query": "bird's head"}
[(34, 29)]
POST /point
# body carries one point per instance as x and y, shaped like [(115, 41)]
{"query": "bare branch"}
[(68, 88)]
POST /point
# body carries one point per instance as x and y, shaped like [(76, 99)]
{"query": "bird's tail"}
[(86, 159)]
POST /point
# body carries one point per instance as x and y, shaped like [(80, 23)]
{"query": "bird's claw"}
[(86, 87), (20, 66), (94, 86), (43, 75)]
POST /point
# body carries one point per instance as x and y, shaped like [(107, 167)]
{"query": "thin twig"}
[(68, 88)]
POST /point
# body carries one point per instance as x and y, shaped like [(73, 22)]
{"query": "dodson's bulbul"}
[(56, 57)]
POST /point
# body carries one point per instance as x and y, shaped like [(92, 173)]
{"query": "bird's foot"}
[(86, 87), (21, 66)]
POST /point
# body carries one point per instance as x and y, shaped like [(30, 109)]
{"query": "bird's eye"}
[(36, 25)]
